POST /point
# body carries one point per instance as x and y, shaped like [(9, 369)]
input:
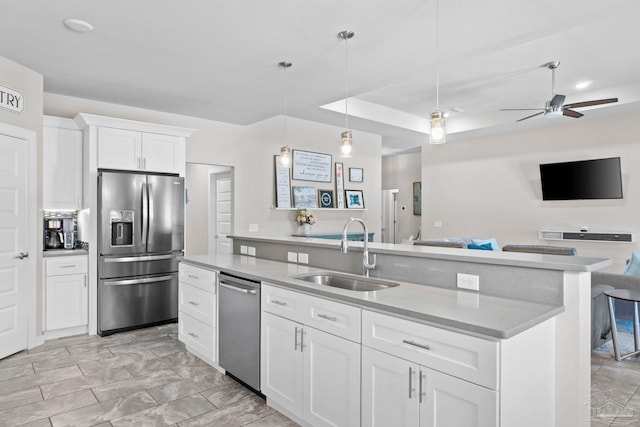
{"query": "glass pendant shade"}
[(285, 156), (438, 133), (346, 146)]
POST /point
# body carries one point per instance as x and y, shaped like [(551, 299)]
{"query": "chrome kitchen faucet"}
[(344, 246)]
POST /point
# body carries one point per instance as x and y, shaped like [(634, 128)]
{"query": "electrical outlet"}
[(251, 251), (437, 224), (243, 249), (292, 256), (303, 258), (468, 281)]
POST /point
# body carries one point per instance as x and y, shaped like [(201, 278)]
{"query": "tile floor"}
[(147, 378), (138, 378)]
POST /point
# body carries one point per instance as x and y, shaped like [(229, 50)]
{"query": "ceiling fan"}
[(555, 107)]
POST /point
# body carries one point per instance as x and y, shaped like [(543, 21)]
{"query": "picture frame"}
[(310, 166), (325, 198), (283, 184), (354, 199), (339, 185), (304, 197), (356, 174), (417, 198)]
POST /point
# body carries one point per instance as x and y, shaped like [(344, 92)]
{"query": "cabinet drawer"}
[(64, 265), (333, 317), (197, 303), (199, 337), (198, 277), (283, 302), (463, 356)]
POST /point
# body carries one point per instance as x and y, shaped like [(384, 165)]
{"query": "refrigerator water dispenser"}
[(121, 228)]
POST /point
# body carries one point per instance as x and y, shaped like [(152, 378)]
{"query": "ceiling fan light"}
[(438, 134), (285, 156), (346, 147)]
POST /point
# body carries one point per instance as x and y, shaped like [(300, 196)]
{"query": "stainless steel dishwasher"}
[(239, 328)]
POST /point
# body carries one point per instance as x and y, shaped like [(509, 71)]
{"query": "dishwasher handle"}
[(238, 289)]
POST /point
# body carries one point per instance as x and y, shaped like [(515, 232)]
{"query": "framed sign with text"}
[(310, 166)]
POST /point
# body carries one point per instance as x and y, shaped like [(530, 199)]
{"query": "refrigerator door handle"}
[(145, 213), (150, 206), (139, 258), (137, 281)]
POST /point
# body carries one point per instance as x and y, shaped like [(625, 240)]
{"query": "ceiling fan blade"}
[(571, 113), (590, 103), (528, 117), (557, 100), (521, 109)]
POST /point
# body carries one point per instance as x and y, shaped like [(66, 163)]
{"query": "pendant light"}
[(438, 133), (346, 136), (285, 151)]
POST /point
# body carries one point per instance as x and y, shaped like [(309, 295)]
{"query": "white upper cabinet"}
[(61, 164)]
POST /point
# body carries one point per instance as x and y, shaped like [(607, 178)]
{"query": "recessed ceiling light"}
[(78, 25), (582, 85)]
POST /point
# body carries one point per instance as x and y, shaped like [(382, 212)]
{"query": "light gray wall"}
[(29, 84), (400, 172), (490, 187), (250, 150)]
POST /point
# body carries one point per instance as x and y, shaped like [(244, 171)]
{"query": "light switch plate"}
[(468, 281), (251, 251), (292, 256), (303, 258), (243, 249)]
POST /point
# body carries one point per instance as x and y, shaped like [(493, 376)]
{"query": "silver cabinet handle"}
[(295, 339), (22, 255), (326, 316), (410, 380), (193, 303), (193, 335), (192, 276), (301, 340), (276, 302), (420, 386), (415, 344), (68, 266)]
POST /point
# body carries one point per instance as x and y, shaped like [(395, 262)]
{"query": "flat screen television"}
[(582, 180)]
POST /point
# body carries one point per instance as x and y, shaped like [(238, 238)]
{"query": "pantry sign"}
[(11, 100)]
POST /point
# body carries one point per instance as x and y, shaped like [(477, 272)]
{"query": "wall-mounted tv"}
[(582, 180)]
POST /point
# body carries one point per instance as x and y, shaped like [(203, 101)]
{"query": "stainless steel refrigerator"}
[(141, 240)]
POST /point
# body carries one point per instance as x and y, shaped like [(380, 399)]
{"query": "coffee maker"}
[(59, 233)]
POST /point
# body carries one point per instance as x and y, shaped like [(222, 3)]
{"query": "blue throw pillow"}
[(492, 242), (484, 247), (633, 267)]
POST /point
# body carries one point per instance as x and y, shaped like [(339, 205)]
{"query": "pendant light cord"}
[(437, 57), (346, 82)]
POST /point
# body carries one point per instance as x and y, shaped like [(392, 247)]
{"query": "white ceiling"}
[(218, 59)]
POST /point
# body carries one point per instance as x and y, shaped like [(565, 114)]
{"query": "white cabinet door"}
[(162, 153), (389, 390), (66, 301), (61, 168), (119, 149), (331, 379), (282, 362), (451, 402)]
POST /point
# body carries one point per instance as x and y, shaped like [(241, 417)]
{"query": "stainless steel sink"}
[(344, 281)]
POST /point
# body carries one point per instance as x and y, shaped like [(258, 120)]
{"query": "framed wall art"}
[(356, 174), (283, 185), (339, 186), (417, 198), (325, 198), (354, 199), (305, 197), (309, 166)]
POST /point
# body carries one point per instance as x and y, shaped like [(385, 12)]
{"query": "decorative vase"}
[(306, 228)]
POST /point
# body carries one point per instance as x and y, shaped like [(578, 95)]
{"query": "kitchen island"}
[(528, 325)]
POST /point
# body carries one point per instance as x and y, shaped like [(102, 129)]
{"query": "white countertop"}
[(459, 310), (63, 252)]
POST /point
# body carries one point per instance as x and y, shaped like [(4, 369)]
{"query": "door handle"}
[(137, 281), (241, 290), (22, 255)]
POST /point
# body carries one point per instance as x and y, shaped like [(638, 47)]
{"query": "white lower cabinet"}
[(66, 293), (398, 392), (307, 373), (197, 308)]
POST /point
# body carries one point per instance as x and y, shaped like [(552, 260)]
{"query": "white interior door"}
[(13, 244), (222, 211)]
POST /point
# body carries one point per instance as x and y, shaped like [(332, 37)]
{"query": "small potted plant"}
[(305, 218)]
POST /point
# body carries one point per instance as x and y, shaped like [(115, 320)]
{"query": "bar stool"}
[(626, 295)]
